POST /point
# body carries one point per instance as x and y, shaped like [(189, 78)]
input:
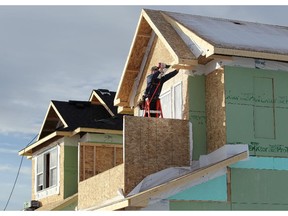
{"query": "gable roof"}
[(193, 40), (73, 117), (67, 116), (104, 97)]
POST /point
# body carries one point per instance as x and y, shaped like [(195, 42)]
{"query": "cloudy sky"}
[(63, 53)]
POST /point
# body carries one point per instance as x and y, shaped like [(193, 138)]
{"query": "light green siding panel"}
[(269, 163), (196, 94), (259, 186), (104, 138), (198, 206), (259, 207), (70, 170), (264, 122), (213, 190), (257, 110), (239, 124)]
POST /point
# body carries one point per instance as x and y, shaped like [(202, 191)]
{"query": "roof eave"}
[(250, 54)]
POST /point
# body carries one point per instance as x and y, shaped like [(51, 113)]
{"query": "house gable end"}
[(52, 121)]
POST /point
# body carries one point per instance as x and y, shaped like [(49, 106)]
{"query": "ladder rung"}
[(155, 111)]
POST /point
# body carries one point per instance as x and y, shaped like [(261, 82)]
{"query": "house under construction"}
[(222, 144)]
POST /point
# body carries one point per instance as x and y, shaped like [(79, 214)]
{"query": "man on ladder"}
[(155, 81)]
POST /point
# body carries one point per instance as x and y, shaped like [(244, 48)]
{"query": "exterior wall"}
[(256, 110), (100, 188), (95, 158), (102, 138), (215, 110), (70, 170), (98, 153), (159, 53), (151, 145), (57, 197), (197, 114), (254, 184), (176, 205)]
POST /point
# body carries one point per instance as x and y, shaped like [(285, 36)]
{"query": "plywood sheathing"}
[(215, 110), (169, 37), (96, 158), (100, 188), (133, 63), (150, 20), (151, 145), (159, 53)]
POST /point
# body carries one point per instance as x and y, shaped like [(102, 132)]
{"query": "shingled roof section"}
[(84, 114), (108, 98)]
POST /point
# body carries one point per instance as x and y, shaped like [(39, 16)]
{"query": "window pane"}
[(178, 101), (166, 104), (53, 176), (40, 164), (53, 158), (40, 182)]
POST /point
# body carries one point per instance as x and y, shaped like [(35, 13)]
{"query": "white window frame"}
[(52, 189), (174, 102), (172, 92), (169, 95)]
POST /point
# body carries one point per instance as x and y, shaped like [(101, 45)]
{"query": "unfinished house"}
[(222, 144), (232, 88), (77, 140)]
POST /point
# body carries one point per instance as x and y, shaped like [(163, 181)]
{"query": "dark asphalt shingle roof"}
[(108, 98), (84, 114)]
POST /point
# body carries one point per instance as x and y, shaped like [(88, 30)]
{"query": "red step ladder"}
[(147, 107), (147, 111)]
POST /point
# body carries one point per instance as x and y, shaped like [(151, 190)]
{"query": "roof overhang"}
[(141, 199), (29, 150), (150, 22), (250, 54), (52, 116), (95, 98)]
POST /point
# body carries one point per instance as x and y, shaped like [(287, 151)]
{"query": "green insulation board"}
[(196, 94), (198, 206), (270, 163), (70, 170), (257, 110), (213, 190), (253, 186)]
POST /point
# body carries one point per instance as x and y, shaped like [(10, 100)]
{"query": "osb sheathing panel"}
[(159, 53), (170, 35), (151, 145), (100, 188), (215, 110), (97, 159), (135, 59)]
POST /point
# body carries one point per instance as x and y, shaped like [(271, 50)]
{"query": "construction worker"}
[(155, 82)]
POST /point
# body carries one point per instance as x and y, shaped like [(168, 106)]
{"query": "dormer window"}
[(46, 175)]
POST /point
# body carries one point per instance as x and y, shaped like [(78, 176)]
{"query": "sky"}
[(63, 53)]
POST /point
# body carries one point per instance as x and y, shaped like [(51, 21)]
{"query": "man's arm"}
[(169, 75)]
